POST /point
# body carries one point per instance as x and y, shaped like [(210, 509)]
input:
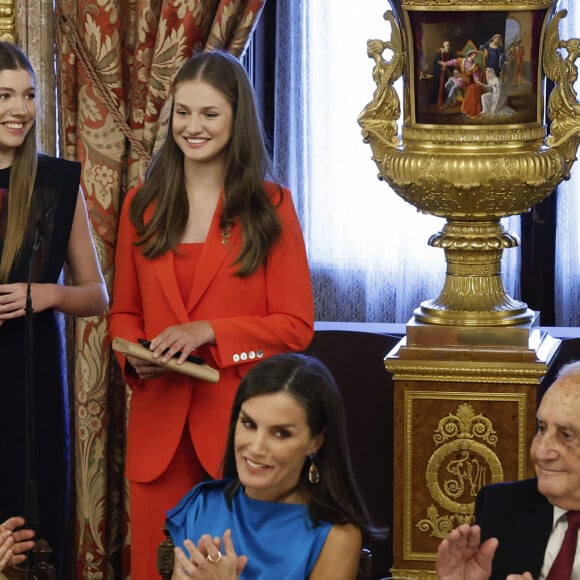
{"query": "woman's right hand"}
[(145, 369), (207, 562)]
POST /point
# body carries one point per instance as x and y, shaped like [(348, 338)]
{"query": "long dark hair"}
[(22, 175), (247, 165), (336, 498)]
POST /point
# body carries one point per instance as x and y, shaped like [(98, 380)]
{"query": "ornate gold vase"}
[(473, 146)]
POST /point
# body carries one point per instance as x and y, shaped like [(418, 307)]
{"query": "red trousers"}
[(148, 503)]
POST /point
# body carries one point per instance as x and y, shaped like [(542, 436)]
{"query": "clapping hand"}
[(14, 542), (206, 561), (461, 557)]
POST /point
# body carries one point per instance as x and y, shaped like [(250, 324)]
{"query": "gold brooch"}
[(226, 237)]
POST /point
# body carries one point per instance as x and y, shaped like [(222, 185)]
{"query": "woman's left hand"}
[(6, 541), (206, 560), (182, 338)]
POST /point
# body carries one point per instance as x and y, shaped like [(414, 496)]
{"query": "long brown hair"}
[(247, 165), (22, 175)]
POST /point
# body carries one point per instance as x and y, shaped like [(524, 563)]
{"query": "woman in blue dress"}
[(288, 504)]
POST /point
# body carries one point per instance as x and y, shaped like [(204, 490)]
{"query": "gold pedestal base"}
[(464, 417), (474, 293)]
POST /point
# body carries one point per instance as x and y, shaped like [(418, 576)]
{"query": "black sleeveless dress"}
[(55, 196)]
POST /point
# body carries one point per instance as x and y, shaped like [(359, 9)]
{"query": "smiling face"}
[(202, 122), (17, 111), (272, 441), (555, 450)]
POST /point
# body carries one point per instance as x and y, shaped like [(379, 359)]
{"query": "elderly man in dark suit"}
[(528, 529)]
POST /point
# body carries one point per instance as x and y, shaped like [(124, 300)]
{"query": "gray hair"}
[(569, 370)]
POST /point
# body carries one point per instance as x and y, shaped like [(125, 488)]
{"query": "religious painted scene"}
[(471, 69)]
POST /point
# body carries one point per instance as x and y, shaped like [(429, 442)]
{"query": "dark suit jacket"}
[(521, 518)]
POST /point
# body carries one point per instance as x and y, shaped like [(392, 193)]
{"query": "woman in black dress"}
[(43, 226)]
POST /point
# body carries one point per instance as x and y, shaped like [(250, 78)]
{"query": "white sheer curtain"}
[(367, 247), (567, 286)]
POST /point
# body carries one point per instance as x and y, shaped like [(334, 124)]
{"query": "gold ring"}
[(214, 559)]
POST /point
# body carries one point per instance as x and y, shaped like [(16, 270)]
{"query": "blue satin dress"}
[(279, 539)]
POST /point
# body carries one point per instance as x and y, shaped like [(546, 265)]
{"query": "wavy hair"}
[(22, 175), (247, 165)]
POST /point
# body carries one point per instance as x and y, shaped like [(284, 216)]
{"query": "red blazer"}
[(269, 312)]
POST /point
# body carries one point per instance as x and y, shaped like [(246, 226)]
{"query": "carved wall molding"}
[(7, 21), (34, 33)]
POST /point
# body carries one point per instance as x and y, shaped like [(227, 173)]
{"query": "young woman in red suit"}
[(210, 260)]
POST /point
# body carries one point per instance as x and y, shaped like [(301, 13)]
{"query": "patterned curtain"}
[(115, 61)]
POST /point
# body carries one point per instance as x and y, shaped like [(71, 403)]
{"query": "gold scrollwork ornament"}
[(458, 468)]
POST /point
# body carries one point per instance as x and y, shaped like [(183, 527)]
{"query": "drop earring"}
[(313, 473)]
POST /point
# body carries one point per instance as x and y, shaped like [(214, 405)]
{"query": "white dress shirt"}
[(555, 541)]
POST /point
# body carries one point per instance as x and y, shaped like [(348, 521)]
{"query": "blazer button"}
[(252, 355), (260, 354), (236, 358), (244, 356)]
